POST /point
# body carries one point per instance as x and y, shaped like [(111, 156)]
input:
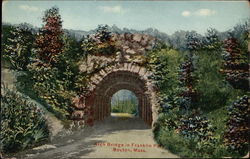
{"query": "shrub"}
[(237, 131), (53, 89), (196, 127), (18, 46), (22, 122), (187, 135)]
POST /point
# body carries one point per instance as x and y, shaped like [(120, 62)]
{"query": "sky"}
[(166, 16)]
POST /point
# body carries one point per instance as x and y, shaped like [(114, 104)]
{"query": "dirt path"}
[(122, 134)]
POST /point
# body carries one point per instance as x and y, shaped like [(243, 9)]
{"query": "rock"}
[(30, 155), (69, 141), (137, 37), (130, 51), (44, 147)]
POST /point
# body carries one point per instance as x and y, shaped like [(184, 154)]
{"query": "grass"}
[(122, 115), (125, 106)]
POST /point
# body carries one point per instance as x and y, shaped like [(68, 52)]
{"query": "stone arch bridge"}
[(128, 73)]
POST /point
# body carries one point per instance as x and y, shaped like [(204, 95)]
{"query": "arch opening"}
[(124, 103), (112, 83)]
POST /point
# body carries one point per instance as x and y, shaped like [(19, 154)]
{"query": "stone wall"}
[(123, 71)]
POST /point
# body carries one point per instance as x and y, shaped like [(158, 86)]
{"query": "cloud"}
[(205, 12), (200, 12), (29, 8), (112, 9), (185, 13)]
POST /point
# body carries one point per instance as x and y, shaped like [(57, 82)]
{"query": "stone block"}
[(78, 114)]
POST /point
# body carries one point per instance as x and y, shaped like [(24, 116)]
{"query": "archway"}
[(114, 82), (107, 82)]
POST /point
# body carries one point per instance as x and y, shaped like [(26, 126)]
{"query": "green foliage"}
[(237, 132), (6, 34), (72, 50), (18, 46), (211, 42), (49, 85), (100, 43), (159, 68), (193, 41), (57, 84), (241, 32), (164, 63), (125, 106), (214, 90), (188, 135), (22, 122), (197, 127)]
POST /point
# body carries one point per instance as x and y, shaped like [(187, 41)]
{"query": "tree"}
[(18, 46), (193, 41), (102, 33), (236, 67), (100, 43), (188, 93), (236, 136), (49, 41), (211, 41)]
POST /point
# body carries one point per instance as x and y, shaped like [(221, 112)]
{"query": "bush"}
[(53, 89), (237, 132), (18, 46), (197, 127), (22, 122), (188, 135)]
